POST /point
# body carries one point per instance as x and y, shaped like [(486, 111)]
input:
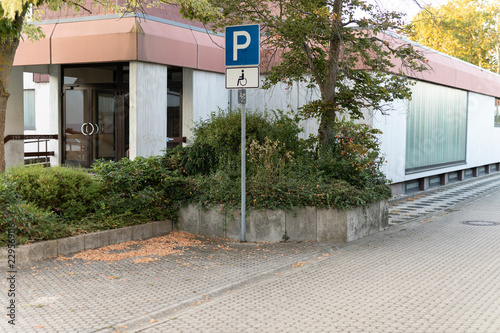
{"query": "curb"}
[(73, 244)]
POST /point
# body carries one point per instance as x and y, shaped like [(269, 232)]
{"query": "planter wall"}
[(69, 245), (305, 224)]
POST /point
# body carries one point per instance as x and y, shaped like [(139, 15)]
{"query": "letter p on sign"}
[(242, 45), (237, 46)]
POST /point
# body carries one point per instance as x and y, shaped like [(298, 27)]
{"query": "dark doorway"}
[(174, 109), (95, 113)]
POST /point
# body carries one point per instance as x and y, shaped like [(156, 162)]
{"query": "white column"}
[(54, 112), (187, 104), (148, 109), (14, 122)]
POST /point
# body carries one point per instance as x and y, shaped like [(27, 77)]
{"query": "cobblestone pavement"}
[(439, 275), (433, 274)]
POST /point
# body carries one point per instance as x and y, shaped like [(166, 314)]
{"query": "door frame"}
[(121, 113)]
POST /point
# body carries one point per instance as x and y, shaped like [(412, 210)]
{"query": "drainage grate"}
[(481, 223)]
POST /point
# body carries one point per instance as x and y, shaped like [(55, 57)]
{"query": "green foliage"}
[(218, 140), (466, 29), (324, 44), (267, 162), (353, 155), (18, 217), (195, 159), (145, 187), (343, 175), (283, 172), (70, 193)]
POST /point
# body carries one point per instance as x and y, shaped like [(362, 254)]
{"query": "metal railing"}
[(40, 155)]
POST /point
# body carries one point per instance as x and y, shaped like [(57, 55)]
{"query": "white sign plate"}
[(242, 77)]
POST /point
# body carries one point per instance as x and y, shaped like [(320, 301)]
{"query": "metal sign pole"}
[(242, 60), (242, 101)]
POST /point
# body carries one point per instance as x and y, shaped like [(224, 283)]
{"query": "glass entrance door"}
[(89, 126), (77, 128), (103, 117)]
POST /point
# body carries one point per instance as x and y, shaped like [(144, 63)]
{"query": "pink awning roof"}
[(125, 39)]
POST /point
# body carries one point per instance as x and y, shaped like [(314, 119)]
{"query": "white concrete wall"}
[(482, 136), (393, 140), (47, 111), (14, 120), (203, 93), (282, 97), (148, 109)]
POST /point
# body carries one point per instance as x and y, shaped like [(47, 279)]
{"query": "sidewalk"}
[(406, 208), (431, 274)]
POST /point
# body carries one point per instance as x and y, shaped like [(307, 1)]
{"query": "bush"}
[(353, 155), (283, 172), (195, 159), (292, 173), (18, 217), (218, 140), (145, 188), (71, 193)]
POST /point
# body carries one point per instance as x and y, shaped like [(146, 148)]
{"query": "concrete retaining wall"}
[(305, 224), (63, 246)]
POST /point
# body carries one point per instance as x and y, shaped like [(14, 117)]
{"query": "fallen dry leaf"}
[(158, 246)]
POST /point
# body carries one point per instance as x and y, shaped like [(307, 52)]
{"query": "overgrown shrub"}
[(147, 187), (353, 155), (218, 140), (71, 193), (283, 172), (344, 174), (195, 159), (23, 220), (267, 162)]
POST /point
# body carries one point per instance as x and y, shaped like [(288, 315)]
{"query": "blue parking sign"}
[(243, 45)]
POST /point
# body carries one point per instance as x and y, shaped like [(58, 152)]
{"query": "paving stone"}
[(436, 275)]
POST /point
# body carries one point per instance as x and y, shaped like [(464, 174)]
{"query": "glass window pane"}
[(29, 110), (436, 127)]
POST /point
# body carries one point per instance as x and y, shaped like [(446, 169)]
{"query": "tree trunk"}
[(8, 47), (328, 93)]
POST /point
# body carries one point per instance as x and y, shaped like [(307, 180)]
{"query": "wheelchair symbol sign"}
[(242, 77), (241, 80)]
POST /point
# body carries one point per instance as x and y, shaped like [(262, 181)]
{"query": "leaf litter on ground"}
[(147, 250)]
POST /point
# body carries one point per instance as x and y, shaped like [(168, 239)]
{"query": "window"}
[(497, 112), (436, 127), (29, 109), (174, 101)]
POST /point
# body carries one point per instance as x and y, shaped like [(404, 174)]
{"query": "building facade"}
[(110, 87), (114, 86)]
